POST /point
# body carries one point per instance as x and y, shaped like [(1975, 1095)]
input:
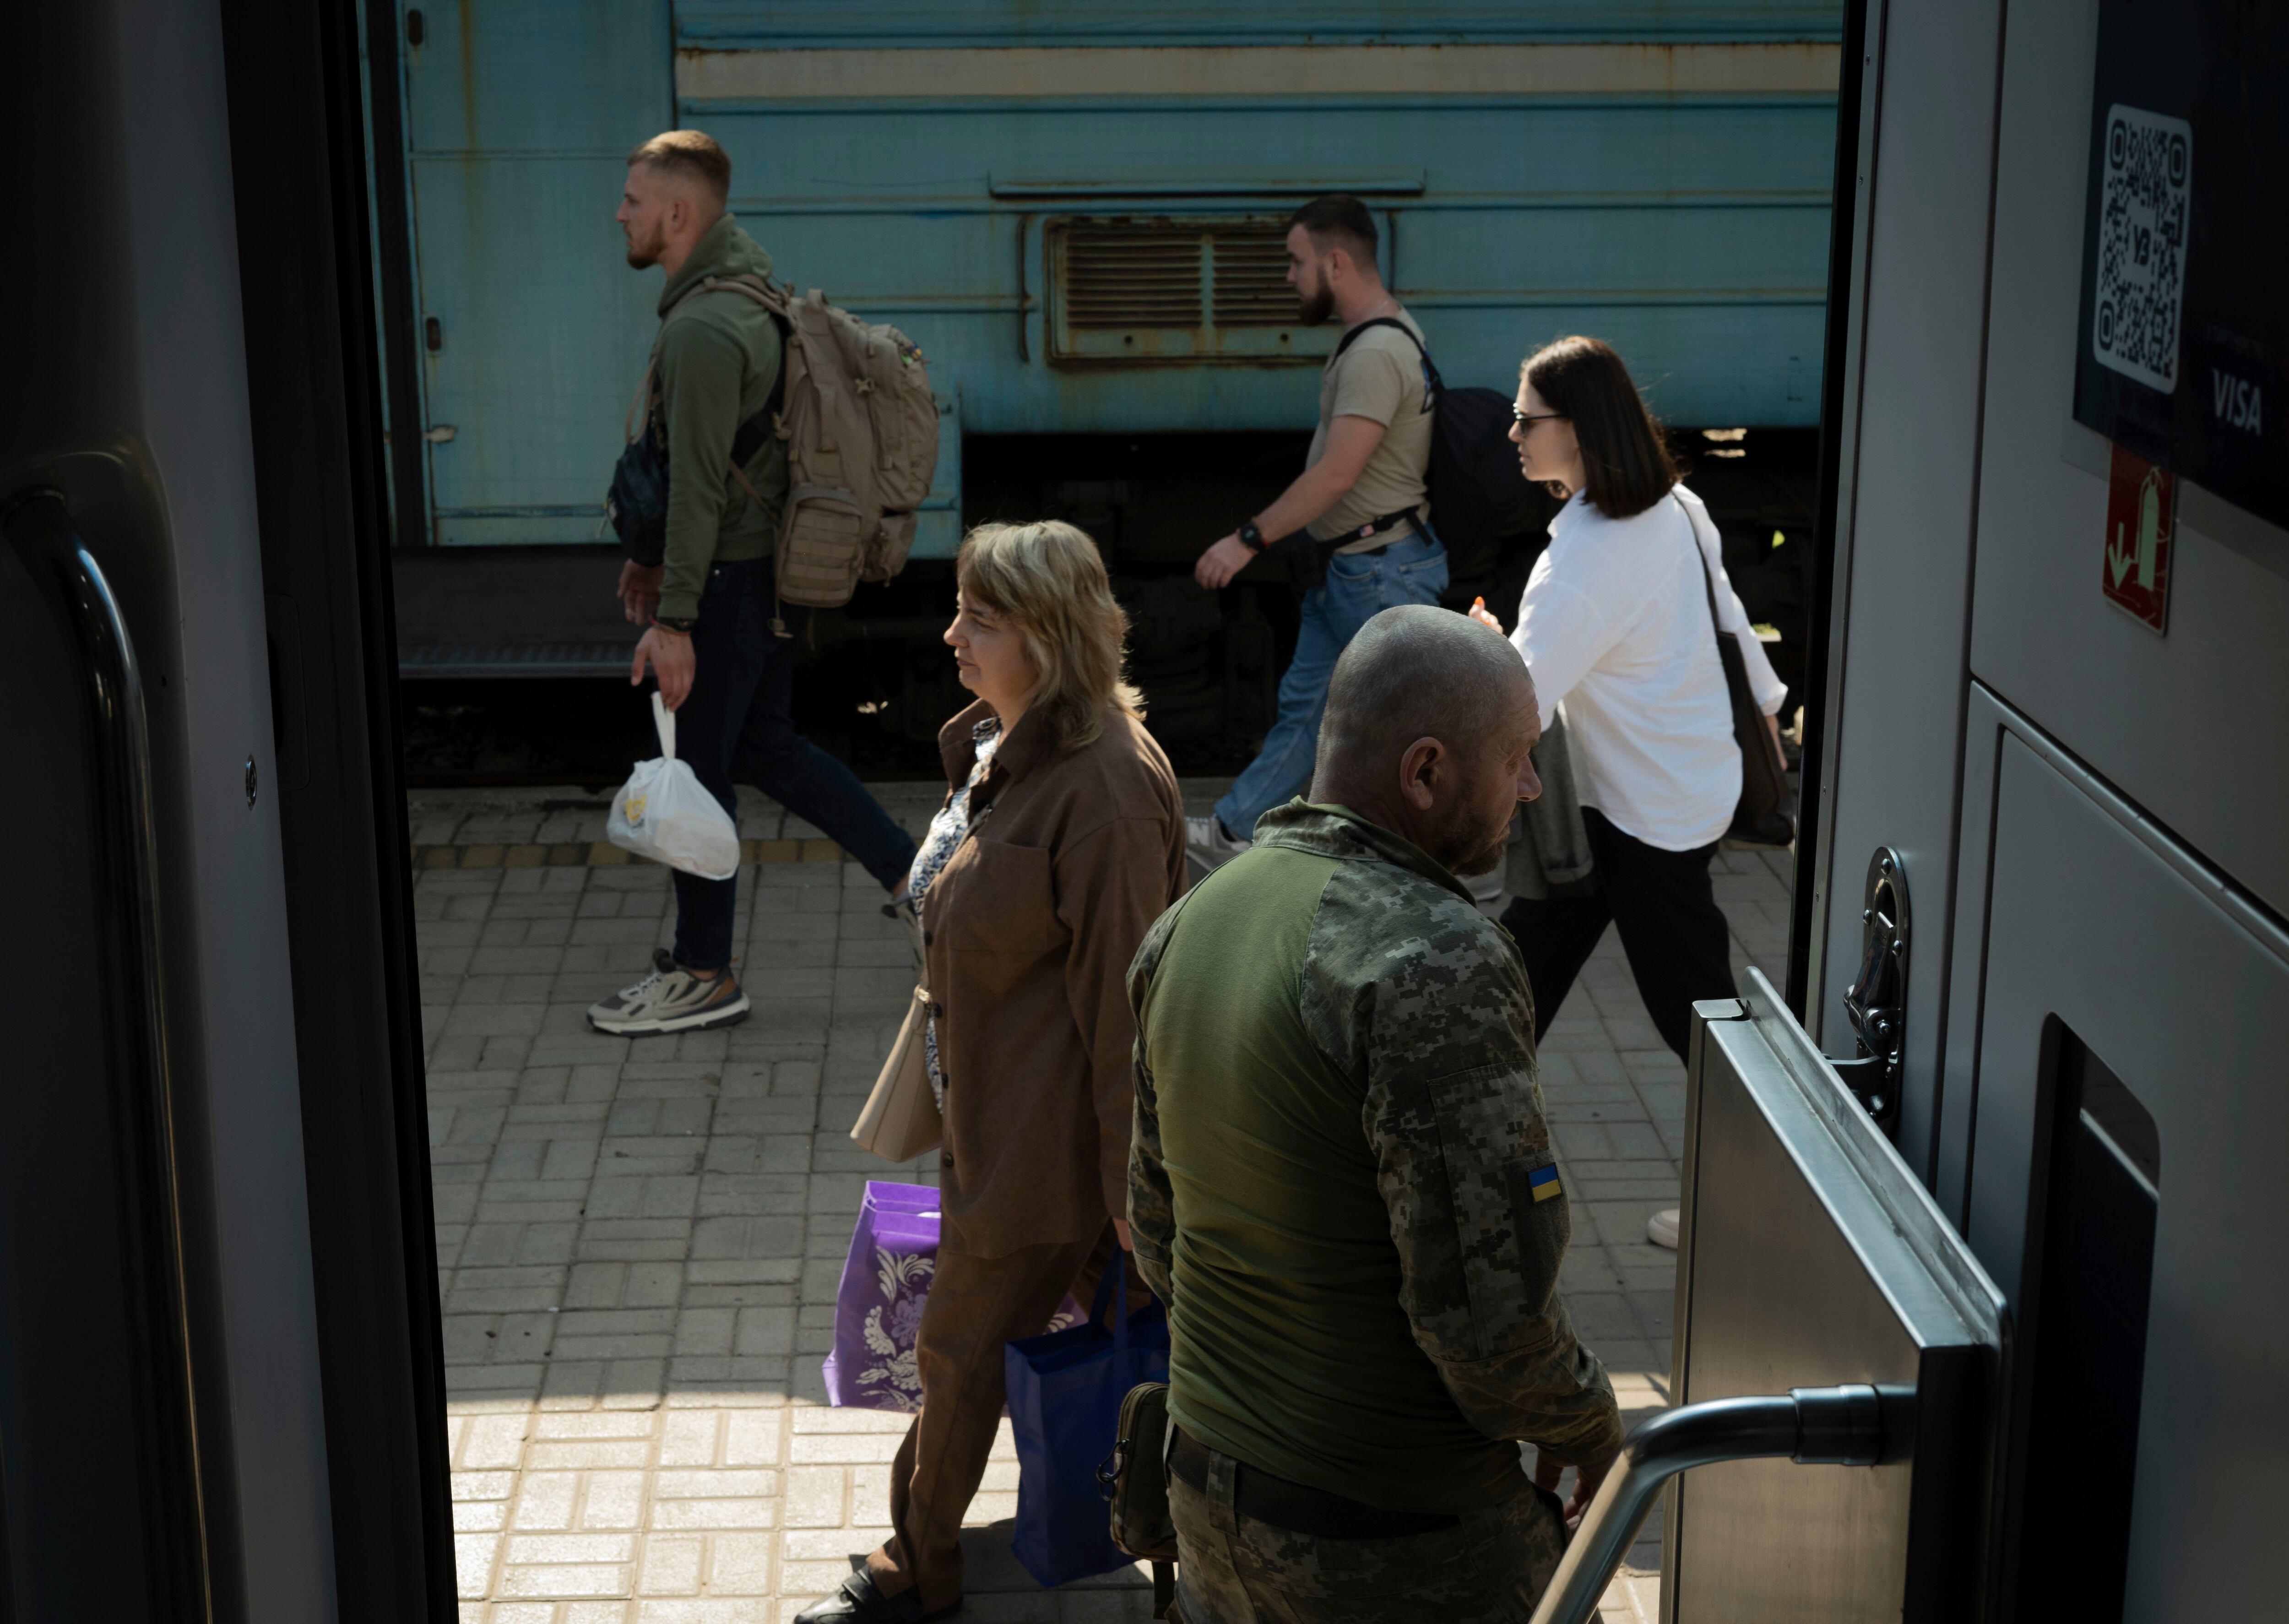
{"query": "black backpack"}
[(1480, 503)]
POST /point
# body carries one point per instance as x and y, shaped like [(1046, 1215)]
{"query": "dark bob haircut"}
[(1625, 460)]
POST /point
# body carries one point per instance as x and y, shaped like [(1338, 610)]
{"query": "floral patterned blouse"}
[(947, 830)]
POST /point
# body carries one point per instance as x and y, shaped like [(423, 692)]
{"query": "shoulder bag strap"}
[(640, 408), (1748, 735), (1765, 795), (1708, 579)]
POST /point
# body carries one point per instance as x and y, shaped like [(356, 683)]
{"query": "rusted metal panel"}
[(1656, 175), (1691, 236), (539, 77), (1154, 291), (520, 115)]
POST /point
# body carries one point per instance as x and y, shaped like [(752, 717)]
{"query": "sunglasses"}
[(1527, 419)]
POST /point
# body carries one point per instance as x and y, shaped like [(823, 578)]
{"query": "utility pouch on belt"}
[(1135, 1478)]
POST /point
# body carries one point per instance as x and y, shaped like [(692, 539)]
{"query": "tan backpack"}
[(861, 428)]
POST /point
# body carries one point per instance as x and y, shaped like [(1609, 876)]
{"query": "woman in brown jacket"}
[(1061, 841)]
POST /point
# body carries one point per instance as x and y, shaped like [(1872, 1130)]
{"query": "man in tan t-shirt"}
[(1358, 512)]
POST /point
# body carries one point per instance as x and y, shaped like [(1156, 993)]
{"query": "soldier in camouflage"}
[(1342, 1181)]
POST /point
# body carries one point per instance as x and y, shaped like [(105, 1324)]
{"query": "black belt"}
[(1374, 527), (1298, 1507)]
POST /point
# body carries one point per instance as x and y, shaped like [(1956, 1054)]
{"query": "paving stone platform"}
[(639, 1241)]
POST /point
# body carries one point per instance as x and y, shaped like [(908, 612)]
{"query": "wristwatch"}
[(675, 623), (1251, 538)]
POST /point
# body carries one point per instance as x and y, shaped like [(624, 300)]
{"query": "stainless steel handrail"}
[(1843, 1426), (124, 845)]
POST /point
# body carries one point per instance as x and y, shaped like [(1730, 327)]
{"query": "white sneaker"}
[(1661, 1229), (671, 999), (1209, 847)]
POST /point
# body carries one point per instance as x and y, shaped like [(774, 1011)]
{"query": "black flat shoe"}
[(859, 1602)]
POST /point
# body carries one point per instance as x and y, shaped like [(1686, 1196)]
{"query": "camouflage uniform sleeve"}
[(1152, 1214), (1152, 1218), (1425, 1002)]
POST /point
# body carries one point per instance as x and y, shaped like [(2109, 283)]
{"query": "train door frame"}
[(1848, 247), (315, 363), (395, 296), (1901, 482), (1952, 314), (189, 455)]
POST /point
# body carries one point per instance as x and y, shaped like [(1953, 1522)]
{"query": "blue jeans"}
[(735, 726), (1359, 586)]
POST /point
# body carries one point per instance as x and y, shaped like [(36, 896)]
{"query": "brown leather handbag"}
[(901, 1120)]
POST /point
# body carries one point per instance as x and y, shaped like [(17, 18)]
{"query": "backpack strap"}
[(757, 430), (1345, 343), (1434, 385), (750, 436)]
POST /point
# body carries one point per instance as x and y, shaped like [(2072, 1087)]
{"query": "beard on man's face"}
[(1467, 847), (643, 249), (1316, 305), (1485, 861)]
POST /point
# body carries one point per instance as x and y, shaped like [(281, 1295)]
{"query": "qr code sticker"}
[(2148, 172)]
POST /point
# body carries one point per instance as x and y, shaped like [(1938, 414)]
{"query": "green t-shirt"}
[(1342, 1181)]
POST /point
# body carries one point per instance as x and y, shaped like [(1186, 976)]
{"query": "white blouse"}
[(1615, 626)]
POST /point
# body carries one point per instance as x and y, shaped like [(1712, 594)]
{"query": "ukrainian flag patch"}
[(1544, 1183)]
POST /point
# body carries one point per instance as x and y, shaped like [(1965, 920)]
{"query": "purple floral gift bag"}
[(879, 1309)]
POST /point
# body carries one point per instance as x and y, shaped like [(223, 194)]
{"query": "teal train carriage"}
[(1076, 209)]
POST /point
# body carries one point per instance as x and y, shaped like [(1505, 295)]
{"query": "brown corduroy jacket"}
[(1030, 928)]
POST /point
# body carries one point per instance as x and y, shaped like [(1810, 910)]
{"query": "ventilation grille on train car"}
[(1250, 268), (1133, 275), (1171, 291)]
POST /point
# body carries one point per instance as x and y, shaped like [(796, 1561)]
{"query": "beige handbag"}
[(900, 1120)]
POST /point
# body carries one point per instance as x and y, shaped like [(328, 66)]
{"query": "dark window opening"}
[(2091, 1256)]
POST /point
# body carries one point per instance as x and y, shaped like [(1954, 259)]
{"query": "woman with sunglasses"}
[(1616, 624)]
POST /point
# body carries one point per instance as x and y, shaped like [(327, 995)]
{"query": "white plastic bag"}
[(665, 814)]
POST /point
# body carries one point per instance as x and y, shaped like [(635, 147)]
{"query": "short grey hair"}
[(1415, 672)]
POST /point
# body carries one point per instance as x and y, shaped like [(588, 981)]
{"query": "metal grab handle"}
[(123, 840), (1876, 1002), (1843, 1426)]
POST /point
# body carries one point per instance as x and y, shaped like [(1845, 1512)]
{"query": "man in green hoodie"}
[(709, 606)]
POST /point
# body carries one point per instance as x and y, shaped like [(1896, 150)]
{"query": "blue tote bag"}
[(1066, 1389)]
